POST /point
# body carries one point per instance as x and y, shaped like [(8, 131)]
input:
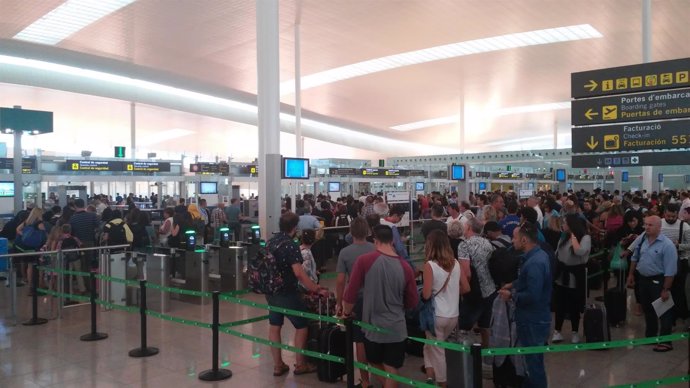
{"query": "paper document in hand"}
[(660, 307)]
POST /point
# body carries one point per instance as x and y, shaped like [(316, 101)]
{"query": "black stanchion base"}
[(93, 337), (35, 321), (218, 375), (143, 352)]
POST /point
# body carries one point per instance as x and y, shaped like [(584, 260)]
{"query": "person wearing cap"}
[(493, 232), (395, 215)]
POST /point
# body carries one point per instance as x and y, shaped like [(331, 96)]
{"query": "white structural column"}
[(133, 128), (269, 115), (647, 171), (17, 171), (299, 140), (461, 124)]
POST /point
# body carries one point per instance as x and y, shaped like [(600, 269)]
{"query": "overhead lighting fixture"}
[(70, 17), (453, 50), (549, 106), (162, 136), (426, 123)]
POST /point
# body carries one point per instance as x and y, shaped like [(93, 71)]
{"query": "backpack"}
[(503, 265), (263, 272), (70, 243), (342, 220), (116, 233), (32, 237)]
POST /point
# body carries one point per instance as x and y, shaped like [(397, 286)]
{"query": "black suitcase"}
[(615, 301), (504, 376), (332, 342), (595, 324)]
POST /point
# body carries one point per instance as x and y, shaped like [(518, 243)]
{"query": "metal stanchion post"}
[(144, 350), (13, 292), (215, 374), (35, 320), (60, 278), (476, 353), (94, 335), (349, 354)]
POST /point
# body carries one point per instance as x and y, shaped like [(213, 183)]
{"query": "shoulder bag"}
[(427, 312)]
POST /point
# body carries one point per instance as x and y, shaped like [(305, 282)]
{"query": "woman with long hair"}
[(569, 290), (443, 284)]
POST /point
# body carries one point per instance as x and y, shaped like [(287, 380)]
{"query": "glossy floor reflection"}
[(52, 355)]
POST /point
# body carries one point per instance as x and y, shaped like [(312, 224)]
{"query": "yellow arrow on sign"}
[(590, 113), (591, 143), (592, 85)]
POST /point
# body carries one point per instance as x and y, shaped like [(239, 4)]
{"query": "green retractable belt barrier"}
[(655, 383)]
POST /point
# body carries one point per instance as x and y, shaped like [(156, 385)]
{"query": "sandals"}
[(663, 348), (304, 369), (280, 370)]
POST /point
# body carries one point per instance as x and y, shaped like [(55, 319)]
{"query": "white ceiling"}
[(213, 43)]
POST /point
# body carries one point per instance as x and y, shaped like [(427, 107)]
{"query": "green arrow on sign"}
[(592, 85)]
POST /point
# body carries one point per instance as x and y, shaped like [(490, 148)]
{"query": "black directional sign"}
[(669, 158), (631, 79), (654, 135), (667, 104)]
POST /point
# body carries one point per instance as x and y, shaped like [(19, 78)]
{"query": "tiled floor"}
[(52, 355)]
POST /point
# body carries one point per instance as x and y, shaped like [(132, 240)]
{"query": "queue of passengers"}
[(552, 235)]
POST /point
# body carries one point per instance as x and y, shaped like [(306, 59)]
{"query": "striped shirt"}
[(84, 225)]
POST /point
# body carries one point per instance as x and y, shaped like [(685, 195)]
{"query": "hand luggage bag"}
[(615, 302), (595, 324), (326, 338)]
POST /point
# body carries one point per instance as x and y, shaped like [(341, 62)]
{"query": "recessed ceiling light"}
[(497, 112), (453, 50), (68, 18), (426, 123)]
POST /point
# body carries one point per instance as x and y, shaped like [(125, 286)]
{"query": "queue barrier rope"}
[(655, 383)]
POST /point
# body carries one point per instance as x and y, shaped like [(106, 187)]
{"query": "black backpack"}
[(116, 233), (504, 264), (70, 243), (342, 220)]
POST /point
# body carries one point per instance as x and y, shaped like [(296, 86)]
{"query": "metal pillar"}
[(17, 171), (133, 128), (299, 140), (269, 111), (648, 178)]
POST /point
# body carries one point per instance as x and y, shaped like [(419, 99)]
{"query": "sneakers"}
[(575, 338), (557, 337)]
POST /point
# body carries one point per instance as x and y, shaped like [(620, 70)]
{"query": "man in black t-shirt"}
[(435, 222)]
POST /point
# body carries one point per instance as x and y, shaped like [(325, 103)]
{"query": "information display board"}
[(653, 102), (28, 165), (116, 166)]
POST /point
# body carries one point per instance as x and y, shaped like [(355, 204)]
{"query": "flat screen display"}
[(482, 186), (560, 175), (624, 176), (333, 187), (295, 168), (419, 186), (208, 188), (6, 189), (457, 172)]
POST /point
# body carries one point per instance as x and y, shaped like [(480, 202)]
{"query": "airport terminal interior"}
[(153, 154)]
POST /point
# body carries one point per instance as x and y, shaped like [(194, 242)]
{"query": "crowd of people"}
[(486, 259)]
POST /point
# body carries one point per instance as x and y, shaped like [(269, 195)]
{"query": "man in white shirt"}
[(533, 202), (685, 204)]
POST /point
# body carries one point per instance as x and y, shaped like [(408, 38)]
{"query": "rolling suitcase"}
[(594, 322), (459, 364), (615, 302), (326, 338)]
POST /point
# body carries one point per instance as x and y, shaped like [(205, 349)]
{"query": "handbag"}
[(617, 262), (427, 311)]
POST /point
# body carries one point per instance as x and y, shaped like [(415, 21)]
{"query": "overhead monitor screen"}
[(457, 172), (333, 187), (295, 168), (6, 189), (482, 186), (208, 187), (419, 186), (560, 175)]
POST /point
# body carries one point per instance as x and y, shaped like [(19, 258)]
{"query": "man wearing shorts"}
[(389, 290), (359, 229), (289, 259)]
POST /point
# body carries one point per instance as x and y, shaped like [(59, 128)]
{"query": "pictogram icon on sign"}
[(609, 112), (621, 83), (650, 80), (635, 82), (612, 142), (607, 85), (666, 78)]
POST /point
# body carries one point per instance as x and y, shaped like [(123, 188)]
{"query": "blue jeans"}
[(534, 334)]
